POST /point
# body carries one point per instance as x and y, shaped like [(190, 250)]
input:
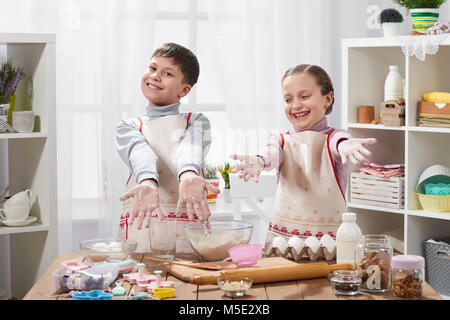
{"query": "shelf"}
[(429, 129), (375, 126), (34, 227), (378, 42), (30, 135), (374, 208), (35, 37), (428, 214)]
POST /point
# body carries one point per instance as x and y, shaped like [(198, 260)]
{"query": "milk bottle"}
[(347, 238)]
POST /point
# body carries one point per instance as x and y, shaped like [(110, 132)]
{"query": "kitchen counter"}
[(314, 289)]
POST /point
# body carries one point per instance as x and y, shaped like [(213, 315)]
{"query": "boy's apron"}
[(163, 135), (309, 200)]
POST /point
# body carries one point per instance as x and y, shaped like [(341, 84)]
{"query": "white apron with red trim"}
[(309, 200), (163, 135)]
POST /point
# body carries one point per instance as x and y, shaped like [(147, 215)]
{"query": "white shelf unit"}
[(365, 64), (31, 158)]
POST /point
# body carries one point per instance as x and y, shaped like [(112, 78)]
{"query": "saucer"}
[(19, 223)]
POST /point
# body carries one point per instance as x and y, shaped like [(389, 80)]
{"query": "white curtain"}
[(102, 50)]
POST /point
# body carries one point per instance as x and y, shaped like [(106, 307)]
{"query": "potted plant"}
[(9, 79), (390, 20), (211, 176), (225, 171), (424, 13)]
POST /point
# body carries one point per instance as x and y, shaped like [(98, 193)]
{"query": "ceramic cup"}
[(23, 121), (15, 213)]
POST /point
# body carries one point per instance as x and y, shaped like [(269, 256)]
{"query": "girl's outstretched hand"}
[(146, 197), (192, 191), (353, 150), (248, 167)]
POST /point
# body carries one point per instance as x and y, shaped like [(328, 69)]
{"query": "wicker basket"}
[(437, 264), (434, 203)]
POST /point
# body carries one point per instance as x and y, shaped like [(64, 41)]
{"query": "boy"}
[(164, 150)]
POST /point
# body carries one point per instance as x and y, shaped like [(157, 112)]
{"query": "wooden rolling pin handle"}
[(340, 266)]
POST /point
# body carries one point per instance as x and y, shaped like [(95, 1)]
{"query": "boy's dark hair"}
[(322, 78), (184, 58)]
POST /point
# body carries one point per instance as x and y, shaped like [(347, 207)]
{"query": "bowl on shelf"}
[(98, 250), (225, 234)]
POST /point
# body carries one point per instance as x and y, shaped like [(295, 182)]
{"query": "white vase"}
[(226, 194), (391, 29)]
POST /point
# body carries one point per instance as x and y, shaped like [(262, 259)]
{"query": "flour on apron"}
[(309, 200), (163, 135)]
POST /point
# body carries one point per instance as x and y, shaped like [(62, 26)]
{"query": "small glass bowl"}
[(234, 289), (99, 250), (346, 282)]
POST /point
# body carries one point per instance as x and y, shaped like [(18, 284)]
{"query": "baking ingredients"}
[(347, 238), (280, 243), (234, 288), (296, 243), (345, 282), (407, 276), (373, 261), (215, 247)]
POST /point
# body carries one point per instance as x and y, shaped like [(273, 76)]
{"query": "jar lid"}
[(407, 262)]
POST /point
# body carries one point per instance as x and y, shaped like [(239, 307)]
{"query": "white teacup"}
[(15, 213)]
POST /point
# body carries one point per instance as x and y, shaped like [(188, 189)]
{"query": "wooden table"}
[(314, 289)]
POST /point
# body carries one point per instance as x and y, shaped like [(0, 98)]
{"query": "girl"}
[(311, 159)]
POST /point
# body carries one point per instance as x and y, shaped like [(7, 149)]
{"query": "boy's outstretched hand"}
[(192, 191), (249, 166), (353, 150), (147, 200)]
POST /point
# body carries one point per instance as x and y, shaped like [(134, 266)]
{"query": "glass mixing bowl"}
[(225, 234), (98, 250)]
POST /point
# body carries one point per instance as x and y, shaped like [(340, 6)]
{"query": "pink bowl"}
[(245, 255)]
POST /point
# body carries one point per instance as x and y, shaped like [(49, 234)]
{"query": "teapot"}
[(21, 199)]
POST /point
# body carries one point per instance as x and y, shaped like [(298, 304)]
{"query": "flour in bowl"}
[(215, 247)]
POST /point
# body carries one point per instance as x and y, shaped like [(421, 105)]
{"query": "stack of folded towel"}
[(385, 171), (434, 110)]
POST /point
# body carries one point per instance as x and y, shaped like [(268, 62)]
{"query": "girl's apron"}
[(163, 135), (309, 200)]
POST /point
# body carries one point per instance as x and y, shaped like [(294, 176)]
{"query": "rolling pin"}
[(275, 273)]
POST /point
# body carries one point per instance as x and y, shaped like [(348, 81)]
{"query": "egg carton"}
[(311, 249)]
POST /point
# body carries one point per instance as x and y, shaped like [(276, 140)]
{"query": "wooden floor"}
[(314, 289)]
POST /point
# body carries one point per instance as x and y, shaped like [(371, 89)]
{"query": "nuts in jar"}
[(373, 261), (407, 276)]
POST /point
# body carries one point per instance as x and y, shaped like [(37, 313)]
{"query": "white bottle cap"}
[(393, 68), (349, 217)]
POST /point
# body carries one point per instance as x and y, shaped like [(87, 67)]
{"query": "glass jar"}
[(345, 282), (373, 261), (408, 275)]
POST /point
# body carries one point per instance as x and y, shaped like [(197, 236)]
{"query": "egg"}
[(100, 247), (280, 243), (328, 242), (296, 243), (116, 246), (313, 243)]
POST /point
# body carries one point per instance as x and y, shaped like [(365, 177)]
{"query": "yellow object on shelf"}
[(434, 203), (162, 293), (437, 97)]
